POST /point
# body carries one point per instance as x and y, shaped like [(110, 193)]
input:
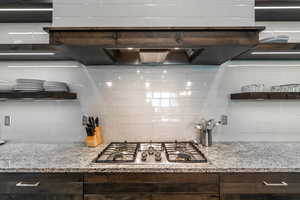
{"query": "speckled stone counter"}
[(223, 157)]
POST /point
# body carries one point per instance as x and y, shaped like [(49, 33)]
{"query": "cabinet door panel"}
[(41, 184), (152, 178), (39, 197), (42, 187), (124, 196), (132, 196), (265, 183), (32, 177), (262, 197), (184, 197), (93, 188)]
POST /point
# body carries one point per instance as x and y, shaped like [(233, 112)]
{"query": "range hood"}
[(153, 45)]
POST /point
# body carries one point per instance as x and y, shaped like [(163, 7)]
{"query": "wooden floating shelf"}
[(24, 16), (38, 95), (265, 95), (272, 47), (279, 14), (14, 49)]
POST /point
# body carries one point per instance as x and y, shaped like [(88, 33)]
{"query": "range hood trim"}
[(219, 44)]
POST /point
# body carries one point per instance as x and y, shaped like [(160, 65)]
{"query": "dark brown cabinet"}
[(41, 187), (260, 186), (151, 187)]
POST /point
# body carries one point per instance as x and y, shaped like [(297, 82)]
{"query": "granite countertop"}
[(223, 157)]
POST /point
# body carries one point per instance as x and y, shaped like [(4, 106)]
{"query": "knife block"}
[(98, 133), (91, 141)]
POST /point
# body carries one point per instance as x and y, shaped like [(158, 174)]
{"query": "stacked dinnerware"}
[(53, 86), (29, 85)]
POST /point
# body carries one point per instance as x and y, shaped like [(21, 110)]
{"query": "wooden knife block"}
[(91, 141), (98, 133), (96, 139)]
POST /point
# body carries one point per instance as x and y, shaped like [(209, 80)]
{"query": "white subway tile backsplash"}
[(24, 33), (169, 107), (291, 29), (153, 13), (154, 108)]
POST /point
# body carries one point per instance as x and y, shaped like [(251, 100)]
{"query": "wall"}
[(291, 29), (260, 120), (47, 121), (144, 103), (153, 13), (163, 103), (23, 33), (153, 103)]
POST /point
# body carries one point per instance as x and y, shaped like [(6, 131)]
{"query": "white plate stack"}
[(29, 85), (53, 86)]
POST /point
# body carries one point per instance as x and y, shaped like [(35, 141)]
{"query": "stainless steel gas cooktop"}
[(151, 153)]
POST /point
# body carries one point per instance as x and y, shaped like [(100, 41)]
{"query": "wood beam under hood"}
[(218, 44)]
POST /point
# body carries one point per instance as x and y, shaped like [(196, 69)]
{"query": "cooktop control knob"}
[(144, 156), (157, 156), (151, 150)]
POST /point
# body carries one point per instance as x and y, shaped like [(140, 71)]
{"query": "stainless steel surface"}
[(281, 184), (152, 153)]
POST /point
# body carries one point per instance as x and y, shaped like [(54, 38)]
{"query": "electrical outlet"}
[(224, 119), (84, 120), (7, 120)]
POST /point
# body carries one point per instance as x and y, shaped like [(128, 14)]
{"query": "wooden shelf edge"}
[(265, 96), (38, 95)]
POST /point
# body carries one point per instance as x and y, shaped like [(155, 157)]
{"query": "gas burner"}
[(118, 152), (182, 156), (122, 147), (185, 152), (119, 156)]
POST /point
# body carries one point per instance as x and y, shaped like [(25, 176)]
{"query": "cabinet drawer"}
[(39, 197), (151, 183), (152, 178), (123, 196), (130, 196), (271, 183), (41, 184)]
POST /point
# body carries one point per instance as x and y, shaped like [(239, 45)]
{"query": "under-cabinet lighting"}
[(42, 66), (265, 65), (282, 31), (27, 33), (25, 9), (276, 7), (276, 53), (28, 54)]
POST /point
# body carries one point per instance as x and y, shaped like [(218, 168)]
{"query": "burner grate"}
[(118, 152), (184, 152)]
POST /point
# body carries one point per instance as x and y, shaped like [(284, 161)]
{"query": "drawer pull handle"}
[(282, 184), (21, 184)]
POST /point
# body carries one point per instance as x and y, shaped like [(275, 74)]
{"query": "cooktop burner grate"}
[(118, 152), (184, 152)]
